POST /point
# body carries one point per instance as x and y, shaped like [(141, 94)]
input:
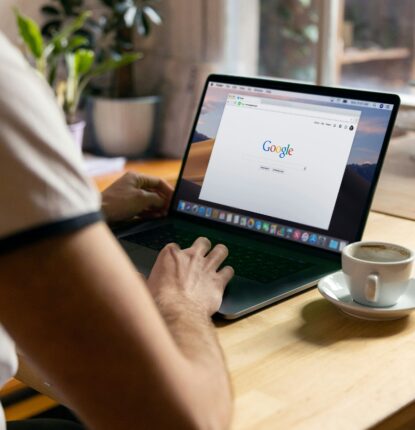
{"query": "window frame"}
[(331, 13)]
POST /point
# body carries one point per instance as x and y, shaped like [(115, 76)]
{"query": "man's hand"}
[(188, 289), (136, 195), (190, 277)]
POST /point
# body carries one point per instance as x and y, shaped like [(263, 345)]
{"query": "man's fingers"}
[(172, 246), (202, 245), (145, 181), (152, 200), (227, 273), (217, 256), (153, 183)]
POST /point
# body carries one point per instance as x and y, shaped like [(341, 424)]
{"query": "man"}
[(121, 351)]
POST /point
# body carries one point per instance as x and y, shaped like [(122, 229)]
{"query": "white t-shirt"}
[(43, 191)]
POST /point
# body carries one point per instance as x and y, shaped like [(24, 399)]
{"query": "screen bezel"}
[(271, 84)]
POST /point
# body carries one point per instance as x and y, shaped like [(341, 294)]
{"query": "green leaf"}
[(152, 15), (78, 63), (75, 25), (108, 3), (88, 35), (121, 7), (76, 42), (129, 16), (141, 24), (147, 25), (84, 59), (115, 63), (53, 70), (61, 41), (50, 10), (69, 6), (51, 27), (31, 34)]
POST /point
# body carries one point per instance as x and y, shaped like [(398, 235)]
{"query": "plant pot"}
[(123, 127), (77, 131)]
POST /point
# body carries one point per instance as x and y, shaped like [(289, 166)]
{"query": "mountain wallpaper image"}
[(366, 170), (199, 137)]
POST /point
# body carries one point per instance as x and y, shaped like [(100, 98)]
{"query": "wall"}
[(7, 19)]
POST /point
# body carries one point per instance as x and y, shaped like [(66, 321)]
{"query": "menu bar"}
[(335, 100), (262, 226)]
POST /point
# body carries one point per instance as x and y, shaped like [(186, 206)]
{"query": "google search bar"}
[(276, 165)]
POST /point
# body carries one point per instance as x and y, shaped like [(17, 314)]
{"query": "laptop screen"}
[(296, 165)]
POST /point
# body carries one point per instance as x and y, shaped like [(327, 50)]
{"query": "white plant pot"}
[(77, 132), (123, 127)]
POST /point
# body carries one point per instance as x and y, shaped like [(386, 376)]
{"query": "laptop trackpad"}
[(143, 258)]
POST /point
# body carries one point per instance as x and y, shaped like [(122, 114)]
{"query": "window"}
[(377, 44), (365, 44), (288, 39)]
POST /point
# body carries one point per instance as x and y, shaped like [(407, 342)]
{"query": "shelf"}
[(354, 55)]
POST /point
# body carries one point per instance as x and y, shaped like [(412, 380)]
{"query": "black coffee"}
[(380, 253)]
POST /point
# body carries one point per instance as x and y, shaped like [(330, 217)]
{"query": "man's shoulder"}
[(10, 53)]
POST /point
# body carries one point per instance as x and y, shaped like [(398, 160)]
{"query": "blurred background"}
[(351, 43)]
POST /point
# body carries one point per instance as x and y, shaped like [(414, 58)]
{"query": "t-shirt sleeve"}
[(43, 190)]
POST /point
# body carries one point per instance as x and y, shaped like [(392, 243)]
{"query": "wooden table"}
[(302, 364)]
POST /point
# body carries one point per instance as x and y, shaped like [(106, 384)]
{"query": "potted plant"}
[(122, 121), (66, 48)]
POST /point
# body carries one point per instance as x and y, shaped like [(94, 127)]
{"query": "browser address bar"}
[(306, 113)]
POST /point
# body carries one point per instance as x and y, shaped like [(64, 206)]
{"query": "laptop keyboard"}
[(247, 262)]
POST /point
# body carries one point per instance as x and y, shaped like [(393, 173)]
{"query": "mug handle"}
[(372, 288)]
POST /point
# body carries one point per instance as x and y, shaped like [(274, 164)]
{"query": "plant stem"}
[(123, 80)]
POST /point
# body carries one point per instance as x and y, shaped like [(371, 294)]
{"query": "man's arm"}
[(76, 306), (27, 374), (195, 302)]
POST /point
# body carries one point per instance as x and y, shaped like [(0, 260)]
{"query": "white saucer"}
[(333, 288)]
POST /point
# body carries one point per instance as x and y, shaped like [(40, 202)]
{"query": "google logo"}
[(281, 151)]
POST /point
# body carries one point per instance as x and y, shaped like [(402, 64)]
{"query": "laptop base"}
[(243, 295)]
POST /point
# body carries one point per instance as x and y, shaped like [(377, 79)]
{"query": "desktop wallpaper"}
[(359, 172)]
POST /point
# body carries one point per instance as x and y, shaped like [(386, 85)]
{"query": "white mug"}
[(377, 273)]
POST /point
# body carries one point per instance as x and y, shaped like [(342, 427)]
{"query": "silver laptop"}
[(281, 173)]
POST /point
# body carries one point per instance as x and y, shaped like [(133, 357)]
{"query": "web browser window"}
[(278, 158), (291, 164)]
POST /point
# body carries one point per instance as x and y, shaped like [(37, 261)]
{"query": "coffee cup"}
[(377, 273)]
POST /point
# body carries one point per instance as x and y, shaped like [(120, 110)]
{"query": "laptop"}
[(281, 173)]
